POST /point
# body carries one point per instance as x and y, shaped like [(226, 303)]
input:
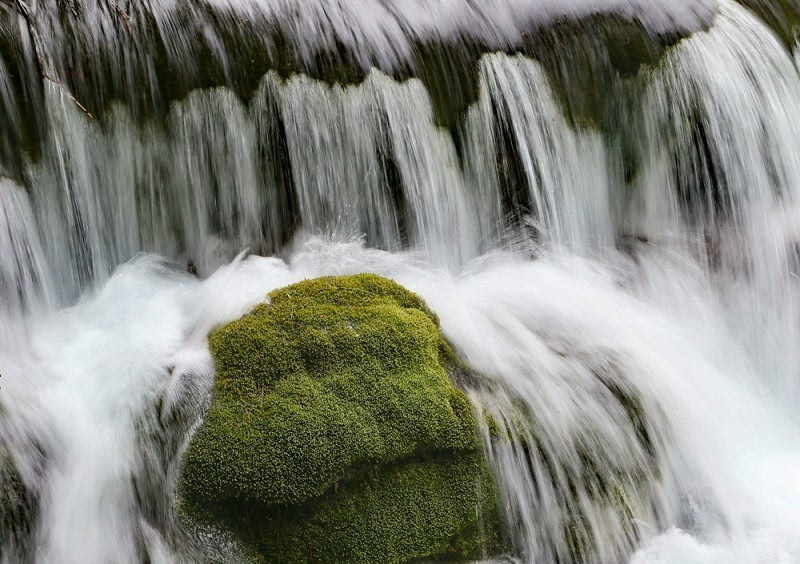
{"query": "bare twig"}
[(69, 94)]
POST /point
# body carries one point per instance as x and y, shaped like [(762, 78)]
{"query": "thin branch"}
[(122, 13), (69, 94)]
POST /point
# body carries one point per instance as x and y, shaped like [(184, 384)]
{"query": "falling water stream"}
[(626, 292)]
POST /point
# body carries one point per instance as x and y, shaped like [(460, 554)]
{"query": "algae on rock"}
[(334, 432)]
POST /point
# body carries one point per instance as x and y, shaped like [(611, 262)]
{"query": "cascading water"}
[(623, 284)]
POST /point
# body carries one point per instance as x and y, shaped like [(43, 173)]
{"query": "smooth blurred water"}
[(626, 296)]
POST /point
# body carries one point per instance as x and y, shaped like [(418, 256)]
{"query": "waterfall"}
[(620, 277), (364, 160)]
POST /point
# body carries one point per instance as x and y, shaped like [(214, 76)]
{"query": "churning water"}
[(628, 295)]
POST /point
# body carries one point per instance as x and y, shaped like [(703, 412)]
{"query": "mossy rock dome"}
[(335, 433)]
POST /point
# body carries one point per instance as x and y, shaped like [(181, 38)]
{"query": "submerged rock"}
[(335, 434), (18, 508)]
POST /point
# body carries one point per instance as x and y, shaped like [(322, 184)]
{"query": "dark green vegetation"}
[(335, 433)]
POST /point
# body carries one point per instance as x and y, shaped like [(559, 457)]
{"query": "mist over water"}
[(626, 296)]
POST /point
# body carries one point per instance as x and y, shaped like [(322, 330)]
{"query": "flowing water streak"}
[(720, 179), (352, 150), (23, 271), (565, 172)]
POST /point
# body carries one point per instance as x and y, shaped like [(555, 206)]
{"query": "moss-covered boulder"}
[(335, 434)]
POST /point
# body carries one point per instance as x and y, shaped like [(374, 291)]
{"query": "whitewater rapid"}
[(727, 490)]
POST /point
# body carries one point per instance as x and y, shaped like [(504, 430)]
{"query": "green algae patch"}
[(335, 432)]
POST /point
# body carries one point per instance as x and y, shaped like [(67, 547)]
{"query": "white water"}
[(538, 331), (377, 32), (679, 289)]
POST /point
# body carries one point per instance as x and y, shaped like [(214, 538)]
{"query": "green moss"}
[(441, 509), (333, 380)]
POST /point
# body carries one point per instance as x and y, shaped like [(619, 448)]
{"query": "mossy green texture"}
[(334, 423), (438, 509)]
